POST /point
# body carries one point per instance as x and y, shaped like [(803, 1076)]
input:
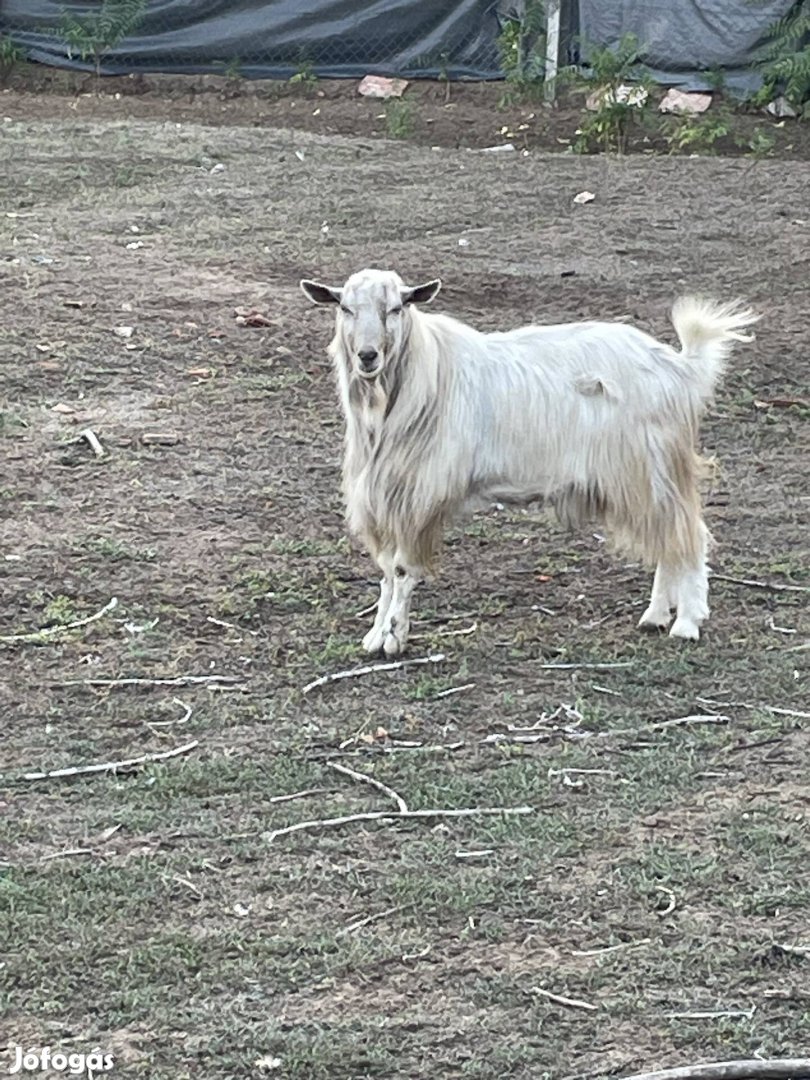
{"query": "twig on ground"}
[(92, 439), (671, 905), (393, 815), (583, 667), (752, 705), (710, 1014), (306, 794), (175, 680), (755, 1069), (605, 690), (111, 766), (571, 1003), (611, 948), (770, 586), (231, 626), (69, 853), (368, 669), (49, 631), (455, 690), (780, 629), (678, 721), (170, 723), (794, 950), (366, 779), (447, 633), (350, 929)]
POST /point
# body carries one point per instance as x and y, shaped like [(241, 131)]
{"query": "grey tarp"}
[(272, 38), (686, 38)]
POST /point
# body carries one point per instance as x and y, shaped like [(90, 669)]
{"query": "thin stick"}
[(170, 723), (390, 815), (752, 705), (712, 1014), (447, 633), (771, 586), (354, 673), (571, 1003), (671, 905), (678, 721), (111, 766), (231, 626), (372, 918), (67, 854), (591, 667), (611, 948), (366, 779), (455, 690), (92, 439), (306, 794), (178, 680), (49, 631), (776, 1069)]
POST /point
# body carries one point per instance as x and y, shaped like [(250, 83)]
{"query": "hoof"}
[(654, 619), (685, 629), (373, 641)]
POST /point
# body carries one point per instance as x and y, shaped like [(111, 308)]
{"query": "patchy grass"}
[(147, 911)]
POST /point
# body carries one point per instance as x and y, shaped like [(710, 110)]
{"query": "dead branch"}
[(92, 439), (752, 705), (111, 766), (306, 794), (69, 853), (49, 631), (571, 1003), (170, 723), (671, 905), (176, 680), (611, 948), (770, 586), (455, 690), (775, 1069), (392, 815), (583, 667), (368, 669), (378, 784), (713, 1014), (350, 929)]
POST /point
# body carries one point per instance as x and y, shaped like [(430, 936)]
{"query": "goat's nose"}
[(367, 357)]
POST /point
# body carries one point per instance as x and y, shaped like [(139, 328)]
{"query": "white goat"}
[(599, 418)]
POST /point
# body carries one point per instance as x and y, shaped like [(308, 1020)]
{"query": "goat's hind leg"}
[(693, 593), (373, 641)]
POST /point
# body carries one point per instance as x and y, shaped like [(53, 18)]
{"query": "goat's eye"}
[(395, 311), (345, 310)]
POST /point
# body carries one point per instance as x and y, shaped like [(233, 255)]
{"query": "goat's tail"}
[(707, 332)]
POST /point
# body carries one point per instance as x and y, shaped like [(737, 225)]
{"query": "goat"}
[(598, 418)]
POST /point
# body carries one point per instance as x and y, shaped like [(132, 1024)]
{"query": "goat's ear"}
[(321, 294), (420, 294)]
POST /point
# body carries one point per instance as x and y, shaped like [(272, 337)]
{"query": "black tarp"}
[(429, 38), (273, 38)]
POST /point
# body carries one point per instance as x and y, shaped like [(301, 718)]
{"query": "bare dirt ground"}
[(148, 911)]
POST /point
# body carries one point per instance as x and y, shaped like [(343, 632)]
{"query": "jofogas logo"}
[(42, 1059)]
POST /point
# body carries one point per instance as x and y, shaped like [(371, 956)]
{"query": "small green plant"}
[(398, 118), (760, 144), (93, 35), (521, 48), (785, 62), (619, 105), (696, 134), (305, 76), (10, 56)]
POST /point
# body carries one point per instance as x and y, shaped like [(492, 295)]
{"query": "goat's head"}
[(371, 315)]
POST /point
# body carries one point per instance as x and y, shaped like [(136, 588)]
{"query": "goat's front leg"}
[(664, 597), (406, 577), (373, 641)]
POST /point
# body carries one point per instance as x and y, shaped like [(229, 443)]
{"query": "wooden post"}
[(552, 48)]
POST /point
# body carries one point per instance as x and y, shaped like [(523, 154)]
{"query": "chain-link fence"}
[(452, 39)]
